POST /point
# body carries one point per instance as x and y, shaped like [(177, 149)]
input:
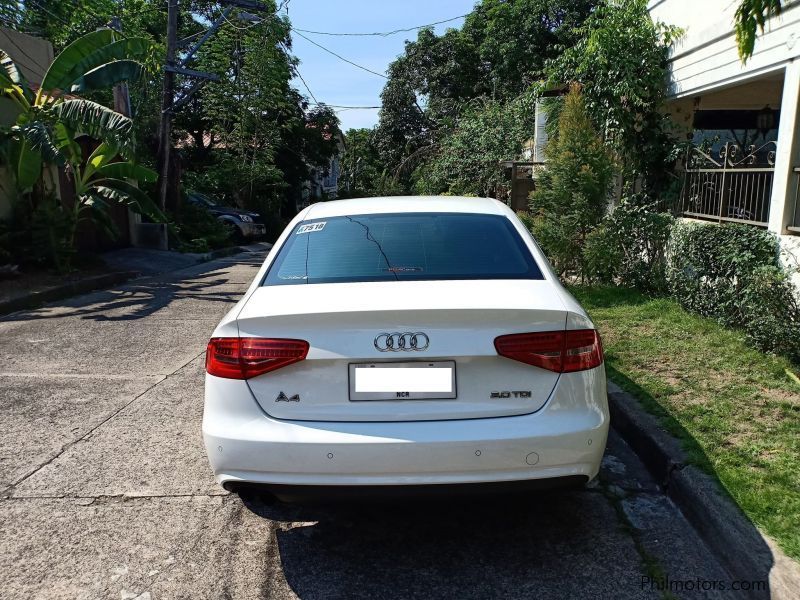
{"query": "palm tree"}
[(51, 118)]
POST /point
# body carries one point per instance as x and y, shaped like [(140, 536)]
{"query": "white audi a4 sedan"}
[(406, 341)]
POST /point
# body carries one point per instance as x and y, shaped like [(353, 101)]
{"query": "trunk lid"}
[(460, 319)]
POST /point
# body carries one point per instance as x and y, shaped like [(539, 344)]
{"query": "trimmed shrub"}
[(629, 247), (770, 311), (732, 273), (709, 265)]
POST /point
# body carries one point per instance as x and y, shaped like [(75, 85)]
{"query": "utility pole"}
[(167, 99), (175, 67), (122, 99)]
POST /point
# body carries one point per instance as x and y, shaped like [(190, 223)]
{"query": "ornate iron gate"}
[(736, 188)]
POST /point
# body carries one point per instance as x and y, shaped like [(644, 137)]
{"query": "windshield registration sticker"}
[(311, 227)]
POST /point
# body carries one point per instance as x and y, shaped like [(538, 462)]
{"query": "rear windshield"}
[(402, 247)]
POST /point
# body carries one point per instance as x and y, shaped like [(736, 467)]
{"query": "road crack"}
[(9, 490)]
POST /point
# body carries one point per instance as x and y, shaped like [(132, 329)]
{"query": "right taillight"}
[(558, 351), (243, 358)]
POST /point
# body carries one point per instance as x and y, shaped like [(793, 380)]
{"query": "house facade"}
[(743, 119), (323, 183)]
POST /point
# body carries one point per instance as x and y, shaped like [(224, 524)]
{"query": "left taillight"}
[(244, 358)]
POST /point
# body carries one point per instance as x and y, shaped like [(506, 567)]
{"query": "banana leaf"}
[(64, 139), (38, 137), (107, 75), (97, 121), (127, 170), (11, 75), (28, 166), (133, 49), (99, 210), (59, 75), (129, 195)]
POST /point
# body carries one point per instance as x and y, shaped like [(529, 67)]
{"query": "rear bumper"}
[(566, 438)]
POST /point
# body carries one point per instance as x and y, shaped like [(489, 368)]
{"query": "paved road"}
[(105, 491)]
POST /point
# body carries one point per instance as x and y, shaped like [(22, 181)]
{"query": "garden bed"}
[(735, 410)]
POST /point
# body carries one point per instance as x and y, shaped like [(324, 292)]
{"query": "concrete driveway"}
[(105, 491)]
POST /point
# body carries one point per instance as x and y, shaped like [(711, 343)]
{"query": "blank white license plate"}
[(403, 381)]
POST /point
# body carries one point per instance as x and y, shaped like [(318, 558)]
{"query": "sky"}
[(335, 82)]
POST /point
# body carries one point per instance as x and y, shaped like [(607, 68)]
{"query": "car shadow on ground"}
[(543, 545)]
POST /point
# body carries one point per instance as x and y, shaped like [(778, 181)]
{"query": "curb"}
[(221, 253), (739, 546), (73, 288)]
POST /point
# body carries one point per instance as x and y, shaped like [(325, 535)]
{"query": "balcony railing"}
[(794, 225), (735, 188)]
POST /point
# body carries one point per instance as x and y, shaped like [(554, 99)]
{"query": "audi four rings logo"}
[(402, 342)]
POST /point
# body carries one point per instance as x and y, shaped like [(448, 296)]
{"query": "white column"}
[(788, 154)]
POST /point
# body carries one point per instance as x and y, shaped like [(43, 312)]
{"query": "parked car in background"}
[(405, 342), (247, 224)]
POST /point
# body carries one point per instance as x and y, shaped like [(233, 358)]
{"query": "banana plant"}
[(50, 118), (103, 179)]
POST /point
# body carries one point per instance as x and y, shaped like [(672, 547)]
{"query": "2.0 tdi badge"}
[(514, 394)]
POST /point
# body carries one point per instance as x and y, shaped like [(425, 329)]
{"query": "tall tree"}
[(620, 61), (499, 53)]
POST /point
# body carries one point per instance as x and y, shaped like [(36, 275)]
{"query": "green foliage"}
[(37, 235), (516, 39), (571, 195), (258, 151), (751, 16), (620, 61), (94, 120), (200, 231), (629, 247), (770, 311), (466, 161), (434, 87), (732, 273), (98, 49), (47, 127), (363, 173), (709, 265)]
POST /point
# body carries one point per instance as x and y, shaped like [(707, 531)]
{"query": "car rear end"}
[(405, 344)]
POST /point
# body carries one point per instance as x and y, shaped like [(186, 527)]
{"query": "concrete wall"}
[(706, 56), (31, 54)]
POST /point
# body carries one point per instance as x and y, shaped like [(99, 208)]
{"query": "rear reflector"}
[(559, 351), (243, 358)]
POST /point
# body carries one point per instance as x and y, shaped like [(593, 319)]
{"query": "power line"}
[(339, 56), (345, 107), (381, 33), (308, 89)]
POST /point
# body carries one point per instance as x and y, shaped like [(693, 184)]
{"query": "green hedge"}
[(732, 273), (629, 247)]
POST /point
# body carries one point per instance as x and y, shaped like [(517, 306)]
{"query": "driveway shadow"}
[(138, 300)]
